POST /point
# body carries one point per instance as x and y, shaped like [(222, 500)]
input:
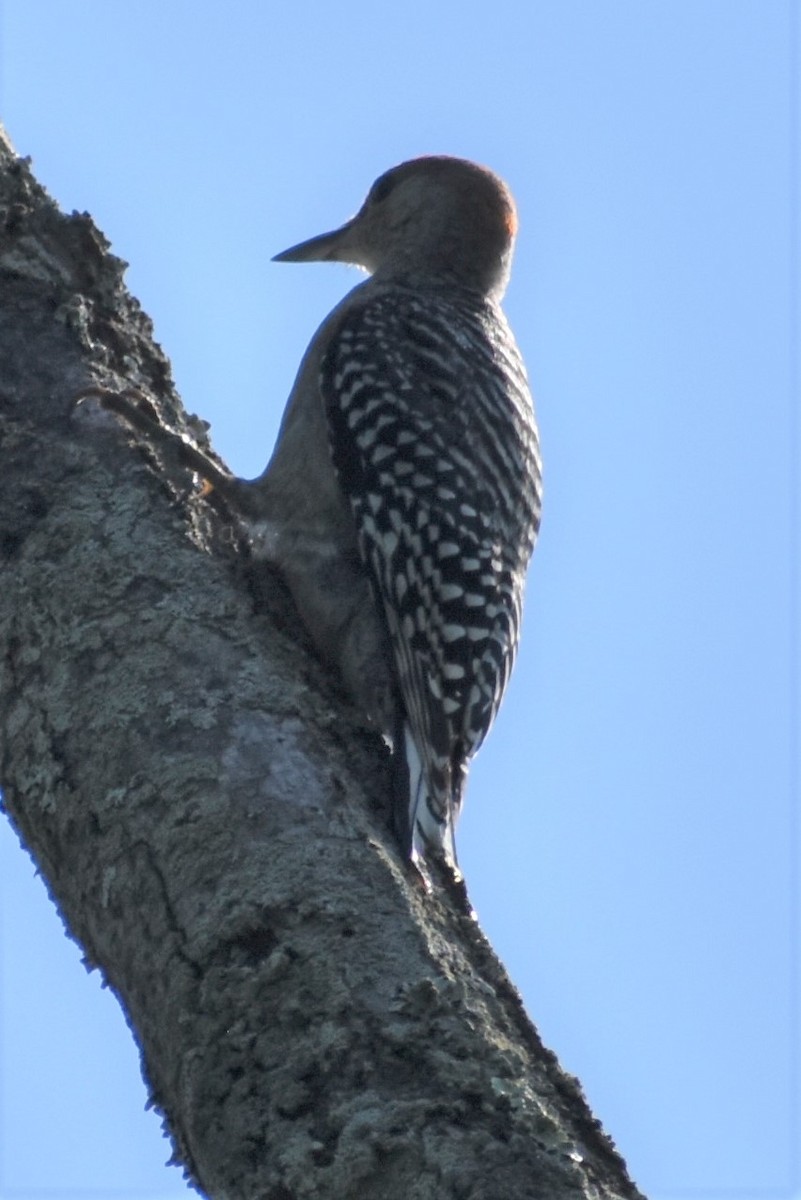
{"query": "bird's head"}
[(441, 218)]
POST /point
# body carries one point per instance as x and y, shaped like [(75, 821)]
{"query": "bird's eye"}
[(382, 187)]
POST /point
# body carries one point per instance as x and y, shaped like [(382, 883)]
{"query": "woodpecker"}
[(402, 501)]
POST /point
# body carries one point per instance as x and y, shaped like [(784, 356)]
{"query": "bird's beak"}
[(326, 247)]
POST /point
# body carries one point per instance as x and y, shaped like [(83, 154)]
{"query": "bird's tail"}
[(423, 804)]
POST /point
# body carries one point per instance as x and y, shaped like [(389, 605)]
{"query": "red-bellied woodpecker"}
[(402, 501)]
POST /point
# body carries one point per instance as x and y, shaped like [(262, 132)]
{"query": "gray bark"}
[(209, 813)]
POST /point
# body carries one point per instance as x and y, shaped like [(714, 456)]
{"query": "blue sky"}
[(630, 835)]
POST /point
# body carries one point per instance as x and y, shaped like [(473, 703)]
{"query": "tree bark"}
[(209, 813)]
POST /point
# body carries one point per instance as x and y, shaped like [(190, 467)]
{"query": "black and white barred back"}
[(434, 441)]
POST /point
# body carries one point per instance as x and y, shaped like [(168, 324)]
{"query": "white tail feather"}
[(428, 833)]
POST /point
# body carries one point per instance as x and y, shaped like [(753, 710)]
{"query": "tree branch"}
[(210, 815)]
